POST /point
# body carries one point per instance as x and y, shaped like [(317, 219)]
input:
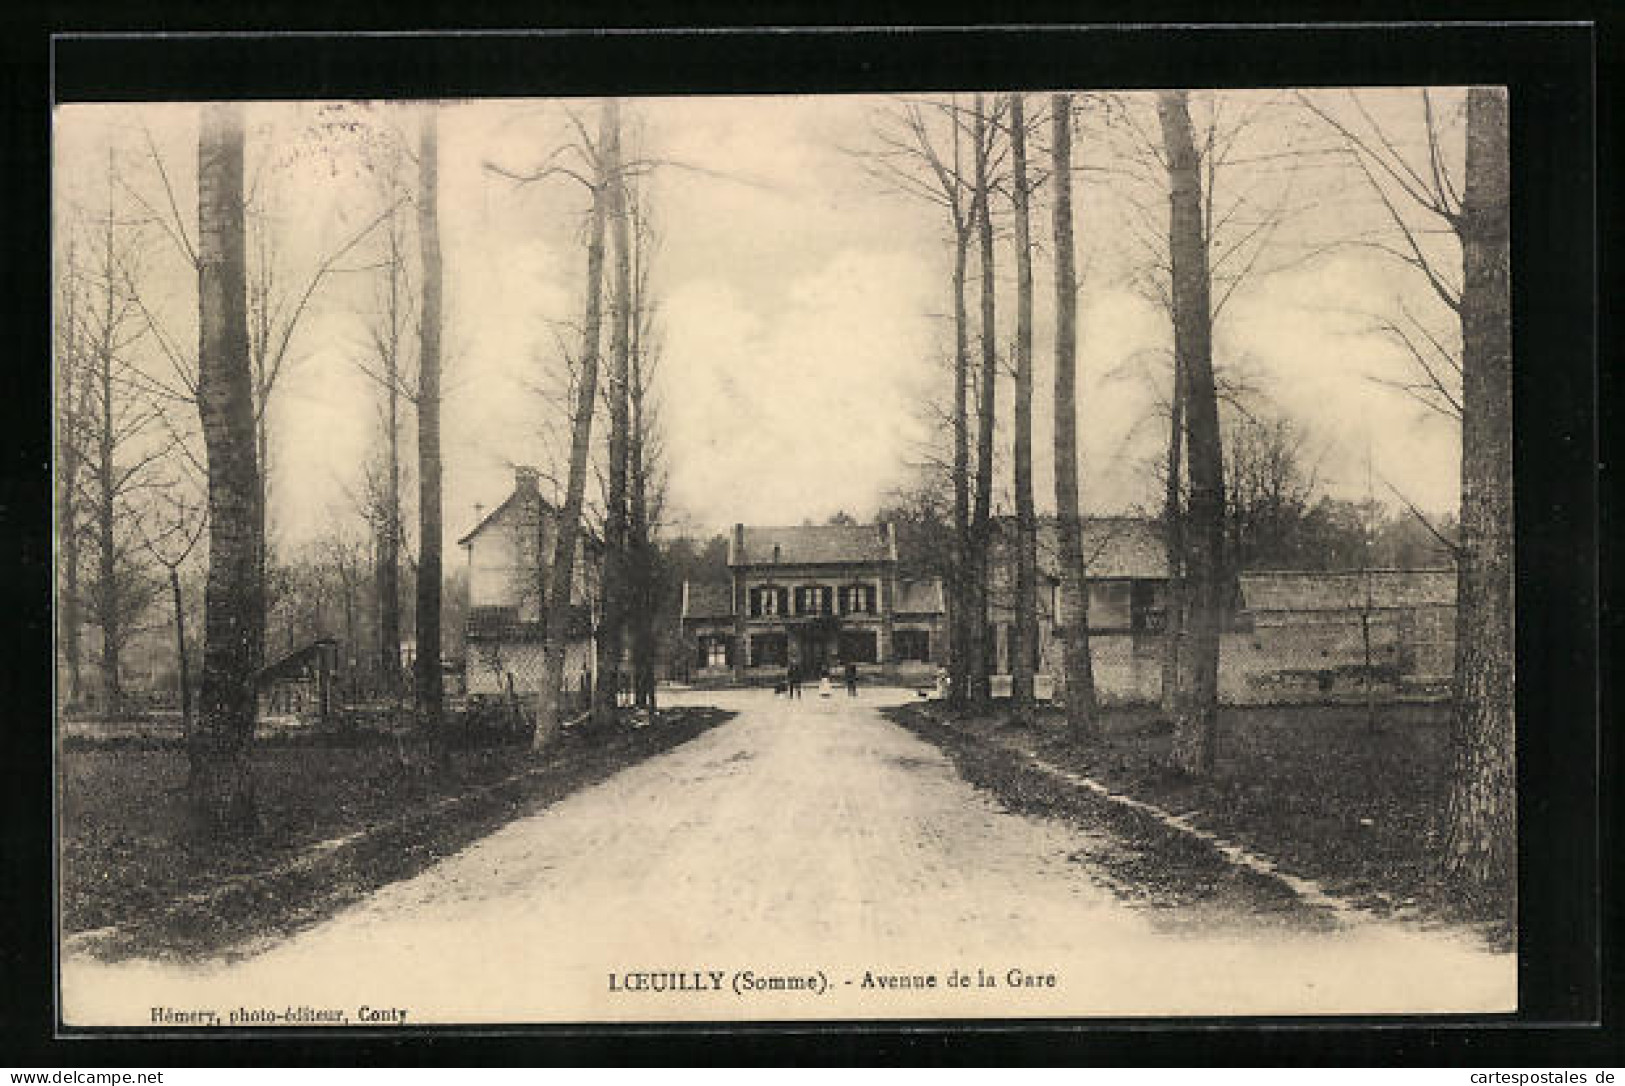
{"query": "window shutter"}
[(784, 600)]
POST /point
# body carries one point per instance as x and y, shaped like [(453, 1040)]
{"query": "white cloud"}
[(778, 419)]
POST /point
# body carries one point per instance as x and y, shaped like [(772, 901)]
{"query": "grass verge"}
[(1310, 787), (338, 821)]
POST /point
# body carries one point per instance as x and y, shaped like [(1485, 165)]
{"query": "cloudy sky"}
[(801, 309)]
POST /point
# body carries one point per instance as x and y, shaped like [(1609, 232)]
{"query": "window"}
[(912, 644), (766, 602), (858, 647), (715, 650), (812, 600), (857, 599), (1109, 607), (767, 650)]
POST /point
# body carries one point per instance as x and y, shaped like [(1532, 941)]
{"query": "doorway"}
[(812, 651)]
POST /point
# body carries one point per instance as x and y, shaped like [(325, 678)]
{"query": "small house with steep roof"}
[(509, 551)]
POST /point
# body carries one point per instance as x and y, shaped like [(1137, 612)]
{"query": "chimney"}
[(525, 479), (737, 555)]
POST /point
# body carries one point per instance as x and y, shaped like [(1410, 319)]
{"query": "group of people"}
[(792, 681)]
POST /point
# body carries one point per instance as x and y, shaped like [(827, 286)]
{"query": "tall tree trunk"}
[(1195, 730), (389, 543), (612, 629), (429, 686), (262, 532), (72, 409), (962, 600), (1173, 634), (223, 793), (107, 594), (68, 609), (1078, 661), (183, 669), (1024, 645), (1480, 836), (642, 557), (557, 627), (982, 652), (642, 554)]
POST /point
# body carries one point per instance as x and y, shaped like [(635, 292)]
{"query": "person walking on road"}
[(851, 680), (793, 681)]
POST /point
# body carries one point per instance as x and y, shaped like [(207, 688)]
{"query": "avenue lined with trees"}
[(166, 400), (1244, 191)]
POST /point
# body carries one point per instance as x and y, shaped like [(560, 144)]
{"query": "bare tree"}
[(345, 556), (73, 414), (1079, 666), (1254, 170), (1173, 514), (429, 692), (278, 305), (1435, 217), (1196, 726), (642, 455), (924, 163), (1271, 478), (223, 794), (1024, 643), (560, 573), (1481, 839), (279, 299), (388, 330), (984, 126), (611, 629), (176, 524), (118, 439)]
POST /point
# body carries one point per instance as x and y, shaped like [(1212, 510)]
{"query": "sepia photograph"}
[(998, 554)]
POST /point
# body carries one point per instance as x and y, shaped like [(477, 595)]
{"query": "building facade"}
[(508, 554), (819, 597), (1126, 566), (815, 598), (1290, 636), (1314, 635)]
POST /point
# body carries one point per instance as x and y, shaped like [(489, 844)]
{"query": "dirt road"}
[(806, 860)]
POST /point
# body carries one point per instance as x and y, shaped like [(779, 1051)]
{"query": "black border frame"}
[(1551, 70)]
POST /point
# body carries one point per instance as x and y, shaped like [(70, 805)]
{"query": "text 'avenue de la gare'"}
[(816, 982)]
